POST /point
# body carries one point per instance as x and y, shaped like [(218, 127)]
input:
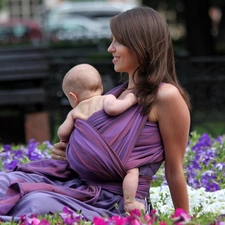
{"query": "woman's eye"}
[(116, 41)]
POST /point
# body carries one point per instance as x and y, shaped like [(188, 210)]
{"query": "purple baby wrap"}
[(100, 151)]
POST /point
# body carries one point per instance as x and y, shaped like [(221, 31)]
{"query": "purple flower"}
[(7, 147), (220, 166), (204, 141), (219, 139), (18, 153), (48, 144), (69, 216), (11, 165)]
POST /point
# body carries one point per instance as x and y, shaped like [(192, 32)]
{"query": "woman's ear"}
[(74, 97)]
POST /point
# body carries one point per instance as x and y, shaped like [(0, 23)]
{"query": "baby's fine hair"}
[(82, 77)]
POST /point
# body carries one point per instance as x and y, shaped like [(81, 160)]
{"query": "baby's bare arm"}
[(130, 184), (129, 206), (114, 106), (66, 127)]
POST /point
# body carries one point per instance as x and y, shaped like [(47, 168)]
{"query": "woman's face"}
[(123, 58)]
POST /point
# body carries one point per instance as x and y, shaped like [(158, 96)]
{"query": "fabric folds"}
[(100, 151)]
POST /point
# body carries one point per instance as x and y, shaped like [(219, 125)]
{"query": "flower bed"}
[(204, 167)]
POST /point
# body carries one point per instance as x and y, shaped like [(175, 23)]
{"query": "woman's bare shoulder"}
[(167, 92), (168, 98)]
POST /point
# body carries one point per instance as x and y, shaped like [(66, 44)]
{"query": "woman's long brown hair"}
[(145, 32)]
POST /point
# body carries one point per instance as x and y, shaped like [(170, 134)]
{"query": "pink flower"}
[(117, 220), (99, 221), (162, 223), (44, 222), (181, 217), (150, 218), (29, 220)]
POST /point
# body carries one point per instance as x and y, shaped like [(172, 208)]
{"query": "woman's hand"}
[(59, 151)]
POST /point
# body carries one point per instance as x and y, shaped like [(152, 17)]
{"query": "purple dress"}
[(100, 151)]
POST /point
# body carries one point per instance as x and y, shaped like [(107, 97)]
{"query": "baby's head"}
[(81, 82)]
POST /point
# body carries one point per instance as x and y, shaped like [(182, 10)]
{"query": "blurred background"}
[(40, 40)]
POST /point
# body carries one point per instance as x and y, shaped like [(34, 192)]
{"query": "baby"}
[(83, 87)]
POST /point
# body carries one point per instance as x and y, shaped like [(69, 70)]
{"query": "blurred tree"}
[(195, 16), (220, 38), (218, 3), (198, 26), (2, 4), (153, 3)]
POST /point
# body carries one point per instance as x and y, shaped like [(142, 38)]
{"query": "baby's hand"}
[(132, 98), (131, 205)]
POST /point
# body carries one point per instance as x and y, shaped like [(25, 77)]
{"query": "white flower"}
[(200, 201)]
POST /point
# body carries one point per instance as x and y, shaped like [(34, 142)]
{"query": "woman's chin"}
[(117, 69)]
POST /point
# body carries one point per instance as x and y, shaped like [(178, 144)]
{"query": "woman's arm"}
[(174, 122)]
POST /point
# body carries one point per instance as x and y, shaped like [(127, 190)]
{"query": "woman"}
[(102, 149)]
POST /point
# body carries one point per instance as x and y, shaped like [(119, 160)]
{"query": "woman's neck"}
[(130, 85)]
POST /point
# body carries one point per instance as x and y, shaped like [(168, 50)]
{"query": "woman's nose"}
[(111, 48)]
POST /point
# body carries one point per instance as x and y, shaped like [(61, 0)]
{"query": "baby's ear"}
[(74, 97)]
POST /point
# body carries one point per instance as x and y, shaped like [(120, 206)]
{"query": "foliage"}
[(203, 165), (2, 4), (12, 155), (69, 217)]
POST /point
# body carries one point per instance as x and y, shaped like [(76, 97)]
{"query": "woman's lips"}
[(115, 59)]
